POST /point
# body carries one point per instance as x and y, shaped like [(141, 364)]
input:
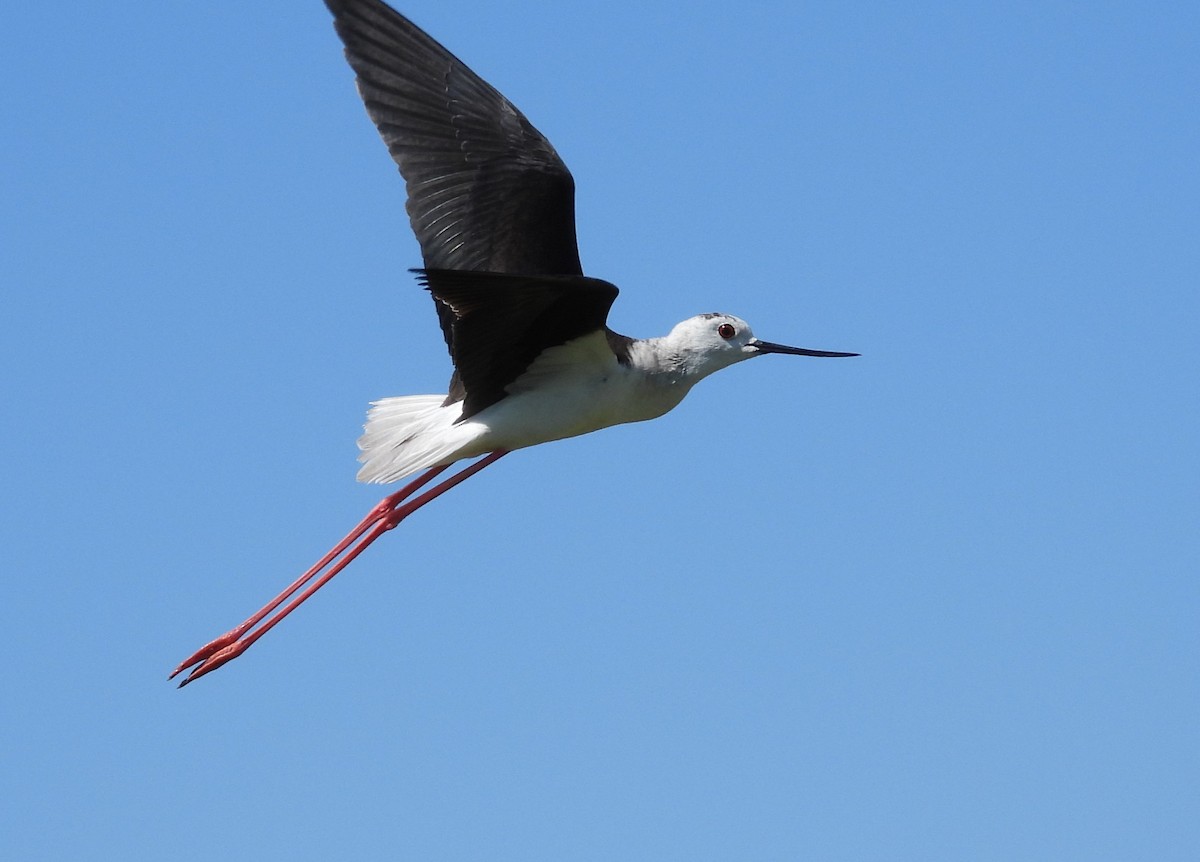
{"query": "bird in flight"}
[(493, 208)]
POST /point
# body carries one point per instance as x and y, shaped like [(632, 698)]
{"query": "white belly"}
[(571, 390)]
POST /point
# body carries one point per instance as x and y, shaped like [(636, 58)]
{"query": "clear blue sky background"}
[(937, 603)]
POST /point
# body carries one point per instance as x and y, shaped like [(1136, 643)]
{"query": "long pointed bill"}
[(769, 347)]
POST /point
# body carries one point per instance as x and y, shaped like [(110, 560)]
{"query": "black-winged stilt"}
[(493, 208)]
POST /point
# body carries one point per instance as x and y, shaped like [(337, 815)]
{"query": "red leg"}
[(381, 510), (383, 517)]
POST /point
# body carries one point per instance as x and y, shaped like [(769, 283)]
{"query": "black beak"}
[(769, 347)]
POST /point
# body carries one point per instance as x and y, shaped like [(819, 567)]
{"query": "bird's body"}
[(493, 208), (570, 389)]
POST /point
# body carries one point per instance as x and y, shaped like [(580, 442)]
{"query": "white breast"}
[(574, 389)]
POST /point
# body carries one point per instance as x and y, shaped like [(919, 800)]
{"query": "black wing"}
[(486, 191), (500, 323)]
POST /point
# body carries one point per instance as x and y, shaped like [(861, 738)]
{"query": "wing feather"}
[(486, 190)]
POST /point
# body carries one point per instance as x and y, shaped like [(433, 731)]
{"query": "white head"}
[(706, 343)]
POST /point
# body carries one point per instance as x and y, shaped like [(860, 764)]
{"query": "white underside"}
[(570, 390), (410, 433)]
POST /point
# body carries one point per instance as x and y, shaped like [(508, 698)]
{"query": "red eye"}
[(726, 331)]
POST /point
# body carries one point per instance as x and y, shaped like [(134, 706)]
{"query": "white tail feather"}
[(410, 433)]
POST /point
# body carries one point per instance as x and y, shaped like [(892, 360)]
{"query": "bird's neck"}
[(664, 362)]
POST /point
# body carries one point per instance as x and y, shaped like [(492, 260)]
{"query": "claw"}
[(209, 649), (218, 658)]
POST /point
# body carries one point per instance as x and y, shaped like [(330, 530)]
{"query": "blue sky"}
[(939, 602)]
